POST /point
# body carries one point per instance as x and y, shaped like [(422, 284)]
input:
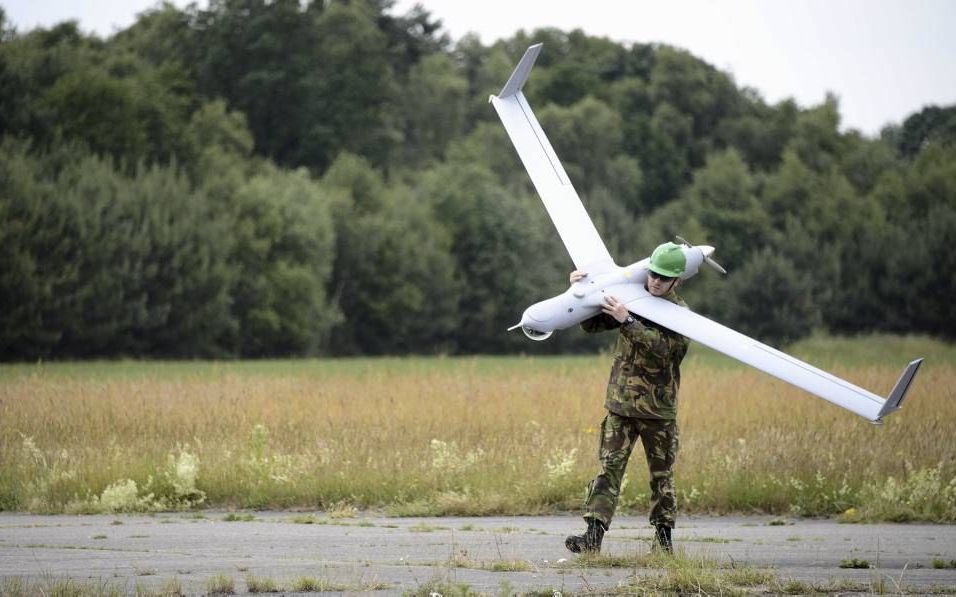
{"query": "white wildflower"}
[(447, 457), (182, 471), (123, 496), (32, 452), (561, 463)]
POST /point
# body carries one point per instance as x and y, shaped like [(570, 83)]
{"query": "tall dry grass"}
[(455, 435)]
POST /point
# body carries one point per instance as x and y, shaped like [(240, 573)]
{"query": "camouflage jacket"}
[(645, 375)]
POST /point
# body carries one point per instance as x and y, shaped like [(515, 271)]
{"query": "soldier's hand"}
[(576, 275), (614, 308)]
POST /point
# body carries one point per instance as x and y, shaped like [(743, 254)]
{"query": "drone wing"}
[(767, 359), (575, 227)]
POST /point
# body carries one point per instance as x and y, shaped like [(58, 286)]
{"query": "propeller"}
[(706, 251)]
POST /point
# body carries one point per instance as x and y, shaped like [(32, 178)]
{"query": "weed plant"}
[(220, 584), (467, 436), (256, 584)]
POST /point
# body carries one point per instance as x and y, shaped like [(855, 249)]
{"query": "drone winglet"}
[(895, 399), (520, 75)]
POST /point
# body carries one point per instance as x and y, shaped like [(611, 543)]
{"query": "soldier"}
[(641, 402)]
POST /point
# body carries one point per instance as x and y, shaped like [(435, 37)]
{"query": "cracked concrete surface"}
[(390, 555)]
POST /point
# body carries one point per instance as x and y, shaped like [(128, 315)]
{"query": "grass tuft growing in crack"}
[(256, 584), (220, 584)]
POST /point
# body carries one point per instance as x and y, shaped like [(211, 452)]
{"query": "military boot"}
[(590, 541), (663, 536)]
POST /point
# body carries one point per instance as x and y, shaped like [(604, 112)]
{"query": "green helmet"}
[(668, 260)]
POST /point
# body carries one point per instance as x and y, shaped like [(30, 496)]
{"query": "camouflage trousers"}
[(618, 436)]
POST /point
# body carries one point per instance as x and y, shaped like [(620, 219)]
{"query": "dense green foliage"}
[(284, 178)]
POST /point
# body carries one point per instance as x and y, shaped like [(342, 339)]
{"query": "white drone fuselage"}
[(584, 298)]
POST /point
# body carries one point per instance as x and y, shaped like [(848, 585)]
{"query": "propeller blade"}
[(714, 265), (707, 259)]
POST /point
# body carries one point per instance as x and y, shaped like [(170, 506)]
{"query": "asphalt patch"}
[(369, 553)]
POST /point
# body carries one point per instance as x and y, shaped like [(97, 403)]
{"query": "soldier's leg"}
[(661, 442), (618, 436)]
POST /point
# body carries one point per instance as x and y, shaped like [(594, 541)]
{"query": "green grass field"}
[(468, 435)]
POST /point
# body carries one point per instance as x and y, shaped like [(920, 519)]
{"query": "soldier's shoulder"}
[(677, 300)]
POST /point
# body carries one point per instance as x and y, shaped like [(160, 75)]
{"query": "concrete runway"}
[(372, 553)]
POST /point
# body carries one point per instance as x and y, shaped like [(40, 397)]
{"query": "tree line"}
[(282, 178)]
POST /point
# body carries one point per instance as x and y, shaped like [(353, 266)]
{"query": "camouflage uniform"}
[(641, 403)]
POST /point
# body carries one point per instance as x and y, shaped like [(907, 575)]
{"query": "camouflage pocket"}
[(613, 436), (600, 448), (664, 395)]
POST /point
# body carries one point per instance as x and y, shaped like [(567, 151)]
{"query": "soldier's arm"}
[(650, 338), (599, 323)]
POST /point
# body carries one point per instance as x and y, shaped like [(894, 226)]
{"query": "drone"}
[(604, 277)]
